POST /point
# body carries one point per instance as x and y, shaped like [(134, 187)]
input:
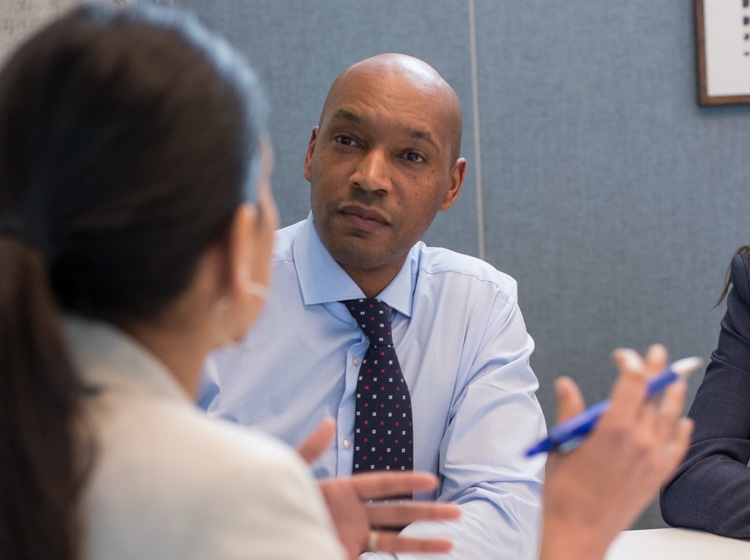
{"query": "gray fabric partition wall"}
[(613, 199)]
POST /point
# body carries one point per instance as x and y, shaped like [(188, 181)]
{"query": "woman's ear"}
[(240, 251)]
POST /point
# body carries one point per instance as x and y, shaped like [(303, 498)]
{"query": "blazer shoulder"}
[(740, 275)]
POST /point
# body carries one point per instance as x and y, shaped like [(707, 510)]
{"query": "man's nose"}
[(373, 172)]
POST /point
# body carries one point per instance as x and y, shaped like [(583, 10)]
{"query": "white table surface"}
[(683, 544)]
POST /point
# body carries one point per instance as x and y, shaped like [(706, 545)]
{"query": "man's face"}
[(381, 165)]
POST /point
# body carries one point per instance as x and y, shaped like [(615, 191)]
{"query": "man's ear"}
[(241, 245), (309, 154), (455, 182)]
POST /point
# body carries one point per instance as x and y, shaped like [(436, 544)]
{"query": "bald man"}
[(382, 162)]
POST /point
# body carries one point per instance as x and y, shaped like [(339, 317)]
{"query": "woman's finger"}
[(629, 393), (656, 359), (402, 513), (569, 399), (393, 542), (676, 450), (314, 446), (383, 484)]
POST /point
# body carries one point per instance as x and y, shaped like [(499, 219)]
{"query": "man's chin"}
[(358, 253)]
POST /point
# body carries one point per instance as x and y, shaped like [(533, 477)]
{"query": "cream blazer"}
[(169, 483)]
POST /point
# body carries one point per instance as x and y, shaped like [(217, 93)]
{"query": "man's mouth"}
[(363, 218)]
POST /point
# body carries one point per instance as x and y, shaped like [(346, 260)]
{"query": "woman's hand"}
[(600, 488), (359, 518)]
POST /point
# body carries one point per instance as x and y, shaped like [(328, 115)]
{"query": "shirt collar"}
[(108, 359), (322, 280)]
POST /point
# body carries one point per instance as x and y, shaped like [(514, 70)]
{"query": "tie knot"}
[(374, 318)]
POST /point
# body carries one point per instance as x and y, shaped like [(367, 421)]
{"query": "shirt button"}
[(355, 361), (347, 444)]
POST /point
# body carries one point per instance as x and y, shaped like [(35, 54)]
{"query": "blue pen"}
[(566, 436)]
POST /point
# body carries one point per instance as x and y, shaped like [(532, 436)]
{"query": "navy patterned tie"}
[(383, 431)]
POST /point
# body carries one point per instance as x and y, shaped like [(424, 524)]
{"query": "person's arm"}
[(482, 467), (598, 490), (711, 490)]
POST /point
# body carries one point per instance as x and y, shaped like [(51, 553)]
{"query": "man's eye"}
[(346, 141), (416, 158)]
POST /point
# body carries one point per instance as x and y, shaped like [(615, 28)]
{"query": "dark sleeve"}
[(711, 490)]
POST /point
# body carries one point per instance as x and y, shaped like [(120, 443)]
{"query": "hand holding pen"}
[(569, 434), (598, 490)]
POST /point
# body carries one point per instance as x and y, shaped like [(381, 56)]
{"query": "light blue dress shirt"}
[(464, 350)]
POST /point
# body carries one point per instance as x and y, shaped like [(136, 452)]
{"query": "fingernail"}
[(628, 358)]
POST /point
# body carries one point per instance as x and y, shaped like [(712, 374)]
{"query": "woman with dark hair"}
[(136, 224), (711, 490), (136, 227)]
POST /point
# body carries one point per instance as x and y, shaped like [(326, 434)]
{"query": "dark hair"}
[(744, 250), (129, 138)]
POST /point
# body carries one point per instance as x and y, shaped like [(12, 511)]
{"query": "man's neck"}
[(373, 281)]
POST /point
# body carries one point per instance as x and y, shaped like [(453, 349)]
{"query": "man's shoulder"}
[(444, 263)]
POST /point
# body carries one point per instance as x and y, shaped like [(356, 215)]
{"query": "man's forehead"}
[(404, 85), (354, 94)]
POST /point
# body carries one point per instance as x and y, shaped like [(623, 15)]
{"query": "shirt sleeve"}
[(483, 468), (711, 490)]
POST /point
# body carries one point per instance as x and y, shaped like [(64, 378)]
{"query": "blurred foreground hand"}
[(598, 490), (359, 523)]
